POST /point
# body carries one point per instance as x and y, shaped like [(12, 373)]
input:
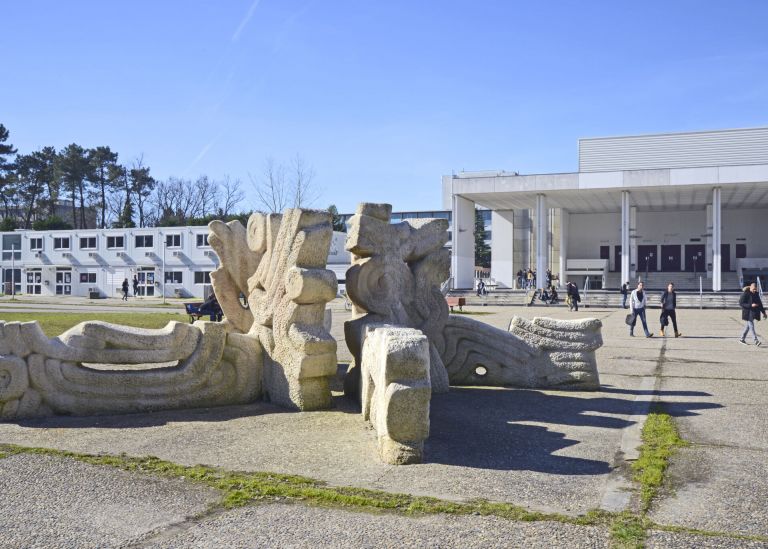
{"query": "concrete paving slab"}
[(54, 502), (717, 489), (280, 525), (737, 416)]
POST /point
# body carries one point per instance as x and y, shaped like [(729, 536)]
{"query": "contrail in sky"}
[(245, 20)]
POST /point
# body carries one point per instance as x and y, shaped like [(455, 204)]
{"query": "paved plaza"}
[(559, 452)]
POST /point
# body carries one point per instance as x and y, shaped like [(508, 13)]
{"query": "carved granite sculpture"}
[(100, 368), (396, 391), (278, 262), (395, 279)]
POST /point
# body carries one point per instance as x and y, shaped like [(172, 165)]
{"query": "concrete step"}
[(608, 299)]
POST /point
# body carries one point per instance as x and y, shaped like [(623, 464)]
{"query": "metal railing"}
[(759, 288)]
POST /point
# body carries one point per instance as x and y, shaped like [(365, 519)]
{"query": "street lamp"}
[(165, 243), (13, 271)]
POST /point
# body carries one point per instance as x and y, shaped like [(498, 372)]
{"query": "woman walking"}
[(668, 305), (638, 301), (125, 290), (751, 309)]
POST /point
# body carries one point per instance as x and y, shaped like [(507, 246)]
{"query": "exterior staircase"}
[(602, 298)]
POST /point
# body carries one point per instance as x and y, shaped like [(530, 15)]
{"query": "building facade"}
[(170, 261), (687, 207)]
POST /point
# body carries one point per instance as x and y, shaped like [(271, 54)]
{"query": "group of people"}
[(135, 288), (750, 303)]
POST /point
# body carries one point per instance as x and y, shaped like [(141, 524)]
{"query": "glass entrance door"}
[(34, 281), (63, 281), (146, 282)]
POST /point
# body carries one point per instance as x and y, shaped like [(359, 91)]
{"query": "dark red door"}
[(670, 258), (694, 258), (646, 256)]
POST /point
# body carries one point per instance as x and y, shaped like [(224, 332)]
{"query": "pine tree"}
[(482, 250), (336, 220)]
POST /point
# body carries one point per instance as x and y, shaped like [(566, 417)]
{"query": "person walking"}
[(480, 288), (529, 279), (624, 294), (520, 279), (668, 305), (751, 309), (135, 286), (638, 301), (125, 290), (572, 291)]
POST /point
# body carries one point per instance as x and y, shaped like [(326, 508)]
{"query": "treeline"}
[(82, 188)]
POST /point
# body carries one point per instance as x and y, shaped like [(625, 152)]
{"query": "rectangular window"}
[(87, 242), (173, 277), (144, 241), (605, 252), (202, 277), (202, 240), (36, 244), (87, 278), (61, 243), (173, 241), (115, 242), (11, 246), (741, 251)]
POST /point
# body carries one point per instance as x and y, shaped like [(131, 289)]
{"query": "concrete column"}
[(625, 224), (463, 256), (542, 227), (521, 243), (564, 218), (717, 239), (633, 242), (708, 246), (502, 248)]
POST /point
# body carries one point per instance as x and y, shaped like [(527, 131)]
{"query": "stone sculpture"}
[(396, 391), (278, 262), (395, 279), (100, 368)]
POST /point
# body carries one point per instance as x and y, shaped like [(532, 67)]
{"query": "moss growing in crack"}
[(660, 441), (240, 489), (628, 531)]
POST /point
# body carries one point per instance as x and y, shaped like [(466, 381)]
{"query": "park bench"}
[(456, 302)]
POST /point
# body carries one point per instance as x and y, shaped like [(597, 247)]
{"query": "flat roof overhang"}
[(595, 192)]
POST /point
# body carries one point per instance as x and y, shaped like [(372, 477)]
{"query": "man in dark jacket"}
[(573, 294), (751, 309), (668, 305), (624, 294)]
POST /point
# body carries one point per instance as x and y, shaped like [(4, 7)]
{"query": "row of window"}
[(35, 276), (114, 242)]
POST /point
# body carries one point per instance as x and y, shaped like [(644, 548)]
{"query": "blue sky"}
[(381, 97)]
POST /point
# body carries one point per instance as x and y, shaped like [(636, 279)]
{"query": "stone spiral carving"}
[(279, 263), (395, 278), (100, 368)]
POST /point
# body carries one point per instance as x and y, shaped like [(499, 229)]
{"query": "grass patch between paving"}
[(660, 441), (54, 324), (239, 489)]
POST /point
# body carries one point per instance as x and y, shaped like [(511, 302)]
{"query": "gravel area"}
[(54, 502), (669, 540), (280, 525)]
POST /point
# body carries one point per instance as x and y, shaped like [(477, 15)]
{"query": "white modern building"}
[(677, 206), (174, 261)]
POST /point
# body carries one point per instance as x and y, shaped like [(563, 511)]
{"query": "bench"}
[(193, 310), (456, 302)]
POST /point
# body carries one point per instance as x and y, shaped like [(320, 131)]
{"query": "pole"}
[(164, 244), (701, 293), (13, 272)]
